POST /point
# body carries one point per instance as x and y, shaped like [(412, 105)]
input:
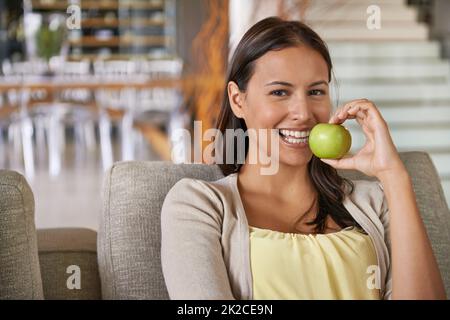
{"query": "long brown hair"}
[(270, 34)]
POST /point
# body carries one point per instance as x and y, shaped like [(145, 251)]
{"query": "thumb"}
[(344, 163), (330, 162)]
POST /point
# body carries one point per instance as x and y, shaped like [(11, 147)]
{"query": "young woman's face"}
[(288, 91)]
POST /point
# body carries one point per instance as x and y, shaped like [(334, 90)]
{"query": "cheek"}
[(322, 116), (263, 115), (267, 116), (322, 112)]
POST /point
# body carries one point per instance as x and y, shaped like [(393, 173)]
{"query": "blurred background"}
[(86, 83)]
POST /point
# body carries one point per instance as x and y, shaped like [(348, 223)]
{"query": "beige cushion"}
[(58, 250), (129, 234), (20, 276)]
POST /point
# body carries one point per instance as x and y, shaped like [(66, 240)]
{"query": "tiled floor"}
[(73, 198), (70, 200)]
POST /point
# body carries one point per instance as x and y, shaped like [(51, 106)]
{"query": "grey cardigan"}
[(205, 239)]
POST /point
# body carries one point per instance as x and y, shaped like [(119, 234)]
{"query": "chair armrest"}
[(68, 258), (20, 276)]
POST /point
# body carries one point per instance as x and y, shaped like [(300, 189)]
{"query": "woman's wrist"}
[(397, 172)]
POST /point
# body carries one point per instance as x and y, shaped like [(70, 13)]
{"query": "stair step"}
[(446, 186), (332, 11), (431, 103), (348, 70), (410, 116), (392, 60), (367, 2), (393, 92), (406, 139), (384, 49), (441, 162), (362, 25), (343, 33), (393, 80)]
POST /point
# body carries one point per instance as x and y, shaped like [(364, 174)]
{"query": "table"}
[(52, 85)]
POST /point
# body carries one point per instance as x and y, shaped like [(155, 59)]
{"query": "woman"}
[(303, 232)]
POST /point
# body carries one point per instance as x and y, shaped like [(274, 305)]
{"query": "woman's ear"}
[(236, 99)]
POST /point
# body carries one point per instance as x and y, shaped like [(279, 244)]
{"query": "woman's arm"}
[(415, 273), (191, 250)]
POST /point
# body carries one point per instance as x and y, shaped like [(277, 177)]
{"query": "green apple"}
[(329, 141)]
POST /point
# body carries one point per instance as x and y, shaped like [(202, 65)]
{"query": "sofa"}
[(122, 260)]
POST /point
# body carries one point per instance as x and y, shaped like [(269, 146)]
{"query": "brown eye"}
[(279, 93), (316, 92)]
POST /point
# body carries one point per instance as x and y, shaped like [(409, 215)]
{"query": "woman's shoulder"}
[(368, 193), (200, 186), (199, 194), (367, 187)]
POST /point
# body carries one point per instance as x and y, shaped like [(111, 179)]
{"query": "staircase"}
[(397, 67)]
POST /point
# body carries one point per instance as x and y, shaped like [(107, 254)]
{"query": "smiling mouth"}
[(294, 137)]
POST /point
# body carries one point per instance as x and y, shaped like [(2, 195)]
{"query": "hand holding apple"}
[(379, 155), (329, 141)]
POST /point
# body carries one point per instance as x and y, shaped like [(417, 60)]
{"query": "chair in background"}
[(122, 100), (144, 112), (20, 128), (42, 118), (72, 108), (159, 109), (3, 134)]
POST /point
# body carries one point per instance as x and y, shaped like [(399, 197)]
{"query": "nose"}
[(300, 110)]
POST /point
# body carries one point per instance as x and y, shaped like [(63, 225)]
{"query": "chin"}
[(295, 160)]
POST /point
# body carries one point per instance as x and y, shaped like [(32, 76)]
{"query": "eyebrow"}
[(287, 84), (318, 82), (273, 83)]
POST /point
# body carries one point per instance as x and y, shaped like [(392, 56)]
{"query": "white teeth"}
[(294, 140), (294, 134)]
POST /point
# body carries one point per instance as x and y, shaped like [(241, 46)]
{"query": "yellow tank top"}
[(322, 266)]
